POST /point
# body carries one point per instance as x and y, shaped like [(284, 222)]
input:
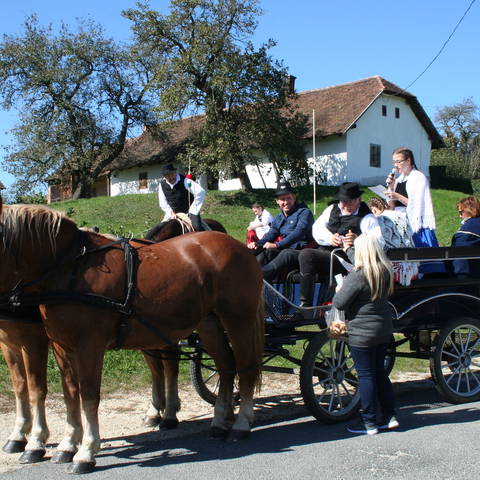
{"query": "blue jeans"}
[(374, 383)]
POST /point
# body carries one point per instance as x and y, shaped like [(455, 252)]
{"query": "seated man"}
[(177, 194), (290, 231), (337, 227)]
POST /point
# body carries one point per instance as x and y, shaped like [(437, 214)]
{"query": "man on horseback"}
[(178, 194)]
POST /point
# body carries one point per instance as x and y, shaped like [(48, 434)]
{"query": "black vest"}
[(338, 223), (177, 197), (401, 188)]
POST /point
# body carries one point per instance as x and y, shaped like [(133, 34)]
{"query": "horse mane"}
[(30, 222), (155, 230)]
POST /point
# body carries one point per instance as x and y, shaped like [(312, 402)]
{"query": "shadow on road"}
[(417, 403)]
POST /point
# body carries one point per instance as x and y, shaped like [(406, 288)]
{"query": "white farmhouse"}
[(357, 127)]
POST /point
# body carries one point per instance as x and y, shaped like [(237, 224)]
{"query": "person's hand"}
[(173, 215), (337, 240), (252, 246), (389, 181), (270, 245), (349, 239)]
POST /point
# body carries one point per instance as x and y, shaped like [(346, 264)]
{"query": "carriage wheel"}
[(455, 361), (328, 380), (205, 378)]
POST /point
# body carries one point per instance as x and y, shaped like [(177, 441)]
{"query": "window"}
[(397, 112), (143, 180), (384, 110), (375, 155)]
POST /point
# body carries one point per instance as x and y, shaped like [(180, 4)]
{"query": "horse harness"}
[(17, 300)]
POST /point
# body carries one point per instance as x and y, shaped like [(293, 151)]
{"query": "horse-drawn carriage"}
[(435, 319), (93, 291)]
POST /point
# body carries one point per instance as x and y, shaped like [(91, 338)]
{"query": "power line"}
[(444, 45)]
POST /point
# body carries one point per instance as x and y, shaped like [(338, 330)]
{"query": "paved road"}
[(436, 441)]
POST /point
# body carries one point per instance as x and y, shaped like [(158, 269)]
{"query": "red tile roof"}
[(337, 108)]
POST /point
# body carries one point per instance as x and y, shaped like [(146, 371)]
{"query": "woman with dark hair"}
[(467, 235)]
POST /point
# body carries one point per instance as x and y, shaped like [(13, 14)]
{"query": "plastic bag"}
[(336, 326)]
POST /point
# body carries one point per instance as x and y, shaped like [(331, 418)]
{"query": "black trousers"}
[(276, 262), (317, 261), (196, 222)]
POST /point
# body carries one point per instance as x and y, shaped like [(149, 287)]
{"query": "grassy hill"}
[(135, 214)]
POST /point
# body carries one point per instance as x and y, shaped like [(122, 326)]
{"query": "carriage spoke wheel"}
[(455, 361), (205, 378), (328, 380)]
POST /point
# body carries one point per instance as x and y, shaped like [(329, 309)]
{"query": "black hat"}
[(348, 191), (283, 188), (169, 169)]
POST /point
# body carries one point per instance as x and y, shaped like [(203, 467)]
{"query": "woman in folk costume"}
[(410, 192)]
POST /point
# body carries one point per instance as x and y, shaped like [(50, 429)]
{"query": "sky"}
[(322, 42)]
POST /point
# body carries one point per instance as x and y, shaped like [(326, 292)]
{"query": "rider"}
[(290, 231), (178, 194)]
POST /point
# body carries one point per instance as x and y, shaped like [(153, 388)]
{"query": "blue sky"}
[(322, 42)]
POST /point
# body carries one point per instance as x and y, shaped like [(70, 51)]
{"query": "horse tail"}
[(259, 340)]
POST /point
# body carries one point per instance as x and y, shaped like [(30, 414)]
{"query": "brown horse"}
[(175, 227), (24, 345), (206, 281)]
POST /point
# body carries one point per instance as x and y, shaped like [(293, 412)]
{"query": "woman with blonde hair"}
[(364, 298)]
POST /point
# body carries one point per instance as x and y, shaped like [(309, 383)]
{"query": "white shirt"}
[(323, 236), (195, 190), (266, 219)]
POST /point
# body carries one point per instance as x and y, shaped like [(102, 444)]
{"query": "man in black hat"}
[(177, 194), (290, 231), (337, 227)]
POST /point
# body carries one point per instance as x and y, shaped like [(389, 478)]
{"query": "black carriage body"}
[(429, 303)]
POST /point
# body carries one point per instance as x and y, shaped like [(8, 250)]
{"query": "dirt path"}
[(121, 413)]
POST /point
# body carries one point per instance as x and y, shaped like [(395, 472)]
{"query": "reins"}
[(17, 297)]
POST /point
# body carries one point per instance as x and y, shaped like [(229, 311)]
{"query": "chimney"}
[(290, 84)]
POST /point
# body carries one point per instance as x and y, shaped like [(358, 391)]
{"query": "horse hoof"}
[(169, 423), (238, 435), (62, 457), (14, 446), (32, 456), (152, 421), (80, 468), (218, 433)]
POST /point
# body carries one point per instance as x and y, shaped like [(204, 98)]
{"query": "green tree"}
[(78, 95), (460, 127), (206, 63)]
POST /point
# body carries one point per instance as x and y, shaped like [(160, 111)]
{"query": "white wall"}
[(126, 181), (390, 133), (331, 156)]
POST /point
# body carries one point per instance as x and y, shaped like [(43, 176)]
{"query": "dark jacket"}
[(368, 323), (295, 230), (467, 235)]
